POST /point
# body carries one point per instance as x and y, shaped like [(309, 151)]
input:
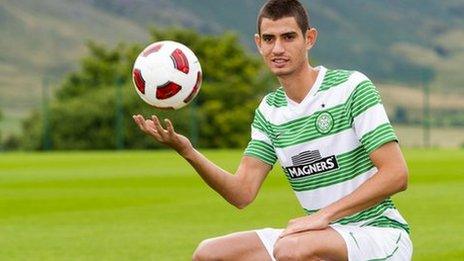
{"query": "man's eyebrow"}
[(292, 33), (267, 35)]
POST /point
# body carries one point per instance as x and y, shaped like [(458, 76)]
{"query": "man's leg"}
[(236, 246), (326, 244)]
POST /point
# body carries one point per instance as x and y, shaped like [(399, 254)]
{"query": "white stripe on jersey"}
[(370, 119), (256, 134)]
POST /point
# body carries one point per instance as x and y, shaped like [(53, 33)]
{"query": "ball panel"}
[(195, 89), (180, 61), (152, 48), (167, 90), (156, 69), (138, 80)]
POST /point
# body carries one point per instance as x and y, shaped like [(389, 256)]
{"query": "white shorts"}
[(363, 243)]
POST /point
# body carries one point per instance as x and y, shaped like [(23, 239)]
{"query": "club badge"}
[(324, 122)]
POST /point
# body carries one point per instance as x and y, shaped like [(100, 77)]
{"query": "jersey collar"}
[(313, 91)]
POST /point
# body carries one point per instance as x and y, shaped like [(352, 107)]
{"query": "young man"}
[(329, 130)]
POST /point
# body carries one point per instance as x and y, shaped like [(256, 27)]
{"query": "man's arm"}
[(239, 189), (392, 177)]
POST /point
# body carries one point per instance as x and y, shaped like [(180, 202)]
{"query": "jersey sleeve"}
[(369, 119), (260, 146)]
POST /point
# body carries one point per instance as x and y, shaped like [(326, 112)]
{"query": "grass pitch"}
[(152, 206)]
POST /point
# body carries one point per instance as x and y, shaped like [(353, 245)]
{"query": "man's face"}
[(283, 46)]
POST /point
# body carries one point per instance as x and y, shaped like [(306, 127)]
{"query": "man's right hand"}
[(166, 136)]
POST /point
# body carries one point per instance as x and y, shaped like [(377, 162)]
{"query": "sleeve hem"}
[(256, 156), (380, 144)]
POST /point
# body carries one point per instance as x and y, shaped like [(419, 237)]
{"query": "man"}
[(333, 139)]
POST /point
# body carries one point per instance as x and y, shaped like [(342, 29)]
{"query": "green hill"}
[(394, 41), (401, 42)]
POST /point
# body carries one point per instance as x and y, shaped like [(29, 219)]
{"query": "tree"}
[(82, 115)]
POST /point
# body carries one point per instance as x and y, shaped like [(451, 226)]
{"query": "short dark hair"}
[(277, 9)]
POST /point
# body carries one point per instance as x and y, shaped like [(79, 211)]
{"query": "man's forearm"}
[(382, 185), (223, 182), (392, 177)]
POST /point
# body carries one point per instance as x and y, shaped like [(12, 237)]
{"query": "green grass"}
[(151, 205)]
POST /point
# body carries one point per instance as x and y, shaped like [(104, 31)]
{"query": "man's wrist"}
[(328, 213), (187, 152)]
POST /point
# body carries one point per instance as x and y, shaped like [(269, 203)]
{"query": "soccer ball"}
[(167, 75)]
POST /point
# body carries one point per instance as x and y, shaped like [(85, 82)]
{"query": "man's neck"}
[(298, 84)]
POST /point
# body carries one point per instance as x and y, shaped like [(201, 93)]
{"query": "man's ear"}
[(258, 42), (311, 37)]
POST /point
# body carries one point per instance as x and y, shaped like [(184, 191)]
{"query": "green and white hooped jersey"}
[(323, 143)]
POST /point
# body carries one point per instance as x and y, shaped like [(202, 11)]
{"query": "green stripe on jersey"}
[(303, 129), (368, 214), (277, 98), (260, 123), (333, 78), (261, 150), (363, 97), (374, 139), (384, 221), (350, 165)]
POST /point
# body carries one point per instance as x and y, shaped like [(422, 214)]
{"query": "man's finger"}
[(286, 233), (135, 118), (161, 131), (151, 125), (293, 229), (140, 122), (156, 135), (290, 232), (151, 129), (145, 125), (169, 127)]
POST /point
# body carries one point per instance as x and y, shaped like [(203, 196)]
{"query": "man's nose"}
[(278, 47)]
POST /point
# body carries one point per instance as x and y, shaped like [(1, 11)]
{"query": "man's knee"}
[(205, 251), (287, 249), (290, 248)]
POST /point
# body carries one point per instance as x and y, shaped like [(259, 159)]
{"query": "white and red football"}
[(167, 75)]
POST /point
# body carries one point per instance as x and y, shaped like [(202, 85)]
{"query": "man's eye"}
[(267, 39), (289, 37)]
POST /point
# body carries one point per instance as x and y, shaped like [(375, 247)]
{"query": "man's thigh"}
[(325, 244), (237, 246)]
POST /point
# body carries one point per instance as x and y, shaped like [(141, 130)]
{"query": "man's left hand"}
[(316, 221)]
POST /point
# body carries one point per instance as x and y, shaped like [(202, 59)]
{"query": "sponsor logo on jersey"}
[(310, 163)]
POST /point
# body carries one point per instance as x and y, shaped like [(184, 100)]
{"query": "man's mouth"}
[(279, 62)]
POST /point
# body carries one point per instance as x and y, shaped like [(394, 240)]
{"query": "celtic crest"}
[(324, 122)]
